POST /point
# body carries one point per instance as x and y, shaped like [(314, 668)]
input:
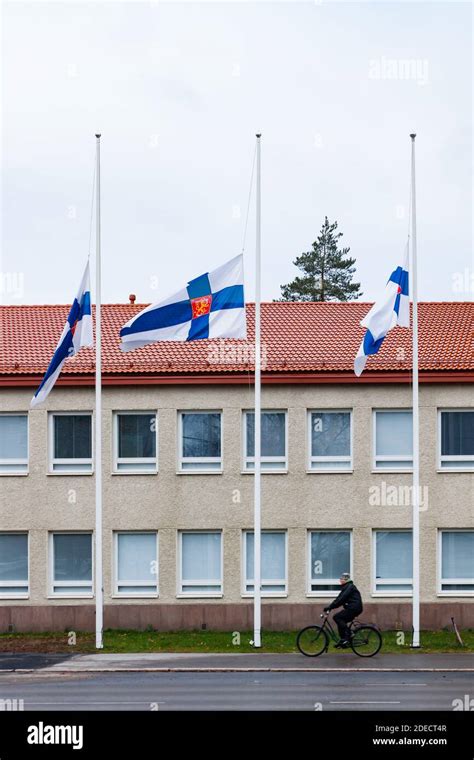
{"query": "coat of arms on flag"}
[(211, 306)]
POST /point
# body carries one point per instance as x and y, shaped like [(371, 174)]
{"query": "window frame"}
[(309, 581), (200, 460), (439, 563), (116, 593), (269, 581), (20, 461), (52, 460), (408, 593), (451, 457), (5, 585), (116, 460), (388, 457), (180, 594), (52, 594), (246, 460), (310, 458)]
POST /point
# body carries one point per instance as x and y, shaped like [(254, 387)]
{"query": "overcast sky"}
[(178, 91)]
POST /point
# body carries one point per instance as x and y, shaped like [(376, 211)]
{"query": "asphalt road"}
[(237, 691), (255, 660)]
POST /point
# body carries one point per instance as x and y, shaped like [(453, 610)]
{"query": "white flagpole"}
[(416, 424), (257, 602), (99, 612)]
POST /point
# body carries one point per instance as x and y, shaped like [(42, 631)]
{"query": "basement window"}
[(200, 562), (457, 562), (136, 564), (273, 563), (393, 562), (70, 557), (330, 555), (14, 565)]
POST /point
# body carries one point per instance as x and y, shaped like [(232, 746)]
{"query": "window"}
[(330, 440), (393, 435), (200, 563), (71, 564), (136, 564), (273, 562), (13, 444), (457, 440), (200, 441), (14, 565), (135, 442), (329, 555), (71, 443), (273, 441), (457, 562), (393, 562)]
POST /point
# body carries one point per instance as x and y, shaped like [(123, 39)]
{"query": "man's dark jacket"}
[(349, 598)]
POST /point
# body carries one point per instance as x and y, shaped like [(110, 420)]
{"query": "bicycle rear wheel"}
[(312, 641), (366, 641)]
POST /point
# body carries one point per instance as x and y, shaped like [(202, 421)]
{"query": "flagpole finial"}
[(413, 135)]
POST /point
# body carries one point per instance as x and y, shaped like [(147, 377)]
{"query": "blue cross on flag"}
[(76, 334), (393, 308), (211, 306)]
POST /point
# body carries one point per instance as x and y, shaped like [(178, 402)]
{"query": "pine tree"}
[(327, 272)]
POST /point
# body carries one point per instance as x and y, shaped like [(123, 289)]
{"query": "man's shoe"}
[(342, 644)]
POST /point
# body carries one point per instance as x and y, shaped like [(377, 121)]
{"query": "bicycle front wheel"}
[(312, 641), (366, 641)]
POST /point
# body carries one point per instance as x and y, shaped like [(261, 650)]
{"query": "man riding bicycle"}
[(350, 599)]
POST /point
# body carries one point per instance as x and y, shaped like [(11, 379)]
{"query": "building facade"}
[(178, 486)]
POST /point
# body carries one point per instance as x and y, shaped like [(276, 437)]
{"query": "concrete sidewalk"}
[(254, 662)]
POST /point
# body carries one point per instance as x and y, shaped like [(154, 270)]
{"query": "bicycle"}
[(365, 639)]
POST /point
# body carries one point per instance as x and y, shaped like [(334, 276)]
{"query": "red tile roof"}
[(314, 338)]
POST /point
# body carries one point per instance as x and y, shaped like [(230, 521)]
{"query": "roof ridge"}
[(247, 303)]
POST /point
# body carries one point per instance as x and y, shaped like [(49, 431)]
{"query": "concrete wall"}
[(192, 615), (167, 501)]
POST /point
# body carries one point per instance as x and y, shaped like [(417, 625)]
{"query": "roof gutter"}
[(274, 378)]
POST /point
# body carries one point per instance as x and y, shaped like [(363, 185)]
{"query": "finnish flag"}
[(77, 334), (211, 306), (392, 309)]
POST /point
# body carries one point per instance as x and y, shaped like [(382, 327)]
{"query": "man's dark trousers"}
[(342, 618)]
